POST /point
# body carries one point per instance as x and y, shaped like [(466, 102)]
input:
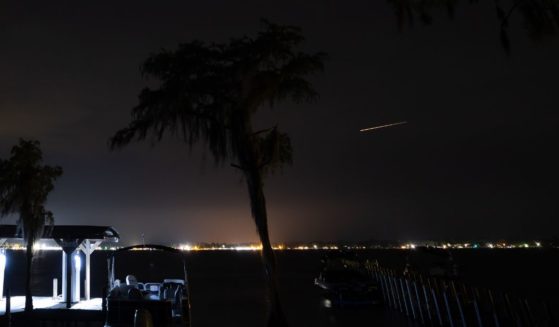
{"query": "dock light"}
[(2, 270)]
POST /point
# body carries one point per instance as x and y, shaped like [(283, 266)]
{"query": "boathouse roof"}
[(66, 232)]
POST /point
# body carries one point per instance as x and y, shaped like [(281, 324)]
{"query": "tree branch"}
[(238, 167)]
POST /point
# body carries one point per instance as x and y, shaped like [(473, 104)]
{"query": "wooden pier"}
[(446, 302), (49, 312)]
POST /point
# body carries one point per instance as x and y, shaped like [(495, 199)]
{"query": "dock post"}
[(395, 302), (54, 288), (476, 307), (530, 319), (421, 318), (404, 296), (437, 308), (384, 290), (395, 286), (2, 270), (380, 284), (410, 297), (389, 283), (458, 303), (87, 247), (551, 319), (104, 300), (447, 306), (494, 309), (426, 296), (8, 314), (390, 291), (512, 313)]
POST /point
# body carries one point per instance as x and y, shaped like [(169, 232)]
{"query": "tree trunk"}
[(276, 317), (29, 260)]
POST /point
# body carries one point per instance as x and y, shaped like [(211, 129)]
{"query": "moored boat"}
[(346, 281), (164, 303)]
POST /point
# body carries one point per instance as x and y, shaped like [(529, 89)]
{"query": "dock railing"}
[(434, 301)]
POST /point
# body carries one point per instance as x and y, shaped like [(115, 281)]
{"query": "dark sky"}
[(477, 158)]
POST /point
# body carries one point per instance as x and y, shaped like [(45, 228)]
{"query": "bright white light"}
[(247, 248)]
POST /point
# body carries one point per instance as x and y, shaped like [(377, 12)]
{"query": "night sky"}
[(477, 159)]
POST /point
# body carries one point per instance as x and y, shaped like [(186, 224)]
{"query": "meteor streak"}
[(382, 126)]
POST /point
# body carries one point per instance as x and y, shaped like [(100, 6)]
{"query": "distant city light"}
[(314, 246), (248, 248)]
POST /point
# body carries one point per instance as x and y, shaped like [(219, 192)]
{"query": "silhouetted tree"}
[(541, 17), (25, 184), (210, 92)]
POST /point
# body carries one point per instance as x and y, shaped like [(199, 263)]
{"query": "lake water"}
[(227, 287)]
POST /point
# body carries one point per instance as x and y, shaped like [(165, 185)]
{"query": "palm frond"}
[(273, 150), (208, 92), (25, 184)]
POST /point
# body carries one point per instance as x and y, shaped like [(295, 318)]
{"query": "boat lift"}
[(72, 239)]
